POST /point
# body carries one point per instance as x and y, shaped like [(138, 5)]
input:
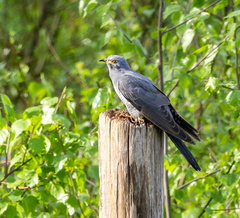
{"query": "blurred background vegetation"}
[(53, 89)]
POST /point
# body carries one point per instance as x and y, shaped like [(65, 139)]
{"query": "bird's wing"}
[(184, 124), (152, 103)]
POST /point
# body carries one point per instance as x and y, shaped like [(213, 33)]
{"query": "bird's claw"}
[(136, 121)]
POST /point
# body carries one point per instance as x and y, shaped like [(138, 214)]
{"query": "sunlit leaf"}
[(212, 54), (212, 84), (20, 125), (187, 38), (3, 135), (56, 190)]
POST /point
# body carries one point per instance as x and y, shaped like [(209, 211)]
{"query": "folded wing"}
[(155, 106)]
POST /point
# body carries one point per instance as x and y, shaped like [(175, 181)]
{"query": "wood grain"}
[(131, 167)]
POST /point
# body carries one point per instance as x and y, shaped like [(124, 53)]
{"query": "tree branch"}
[(161, 80), (8, 154), (59, 60), (76, 194), (207, 55), (199, 62), (226, 209), (160, 56), (204, 9), (11, 172), (210, 199), (194, 180), (236, 57), (60, 99)]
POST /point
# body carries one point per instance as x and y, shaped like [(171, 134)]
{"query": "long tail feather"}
[(185, 152)]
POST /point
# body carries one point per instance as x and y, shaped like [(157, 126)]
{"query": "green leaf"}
[(139, 47), (201, 49), (170, 10), (212, 84), (56, 190), (29, 204), (73, 203), (3, 135), (47, 117), (3, 122), (93, 172), (36, 90), (48, 101), (187, 38), (38, 143), (103, 9), (211, 56), (8, 108), (15, 159), (91, 5), (3, 207), (60, 119), (32, 112), (185, 81), (233, 14), (10, 212), (19, 126), (198, 3), (233, 97), (81, 6), (230, 179), (100, 98)]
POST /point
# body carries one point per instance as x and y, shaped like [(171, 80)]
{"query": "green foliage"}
[(48, 133), (49, 163)]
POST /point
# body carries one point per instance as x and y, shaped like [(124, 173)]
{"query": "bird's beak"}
[(103, 60)]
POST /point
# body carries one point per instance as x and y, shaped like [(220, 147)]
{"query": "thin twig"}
[(194, 180), (206, 205), (199, 62), (55, 54), (236, 57), (75, 193), (161, 79), (11, 172), (204, 9), (226, 209), (59, 60), (175, 56), (226, 87), (8, 155), (174, 87), (210, 199), (91, 183), (177, 206), (160, 55), (18, 187), (60, 100), (207, 55)]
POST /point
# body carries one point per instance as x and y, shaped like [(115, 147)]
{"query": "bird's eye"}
[(113, 61)]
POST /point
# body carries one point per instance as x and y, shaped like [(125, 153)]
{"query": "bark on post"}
[(131, 168)]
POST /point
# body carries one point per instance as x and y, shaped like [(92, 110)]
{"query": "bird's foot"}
[(125, 115), (136, 121)]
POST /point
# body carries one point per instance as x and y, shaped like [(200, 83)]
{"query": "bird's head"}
[(116, 62)]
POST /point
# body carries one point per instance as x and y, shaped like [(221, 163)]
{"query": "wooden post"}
[(131, 168)]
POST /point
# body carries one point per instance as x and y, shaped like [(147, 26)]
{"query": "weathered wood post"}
[(131, 168)]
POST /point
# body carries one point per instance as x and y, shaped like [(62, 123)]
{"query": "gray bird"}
[(143, 99)]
